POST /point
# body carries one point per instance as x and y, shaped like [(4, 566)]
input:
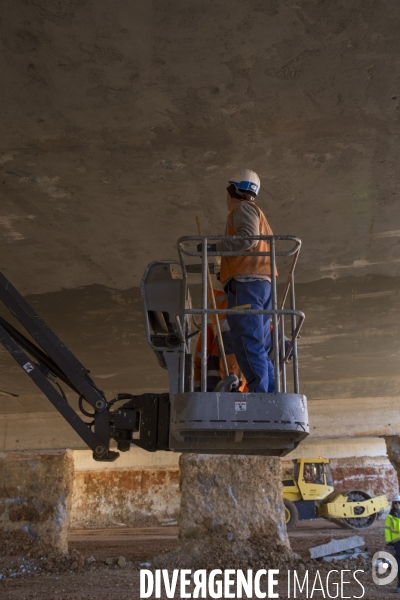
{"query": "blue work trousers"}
[(251, 334)]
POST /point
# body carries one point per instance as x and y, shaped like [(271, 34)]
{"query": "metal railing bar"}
[(291, 313), (198, 238), (282, 357), (186, 324), (288, 281), (204, 317), (180, 328), (183, 303), (294, 337), (275, 339), (293, 341), (234, 311)]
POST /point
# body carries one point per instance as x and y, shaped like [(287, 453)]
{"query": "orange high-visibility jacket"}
[(247, 265)]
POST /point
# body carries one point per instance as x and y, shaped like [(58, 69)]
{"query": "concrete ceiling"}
[(122, 121)]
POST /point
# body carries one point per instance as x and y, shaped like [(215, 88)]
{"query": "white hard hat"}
[(396, 498), (246, 182)]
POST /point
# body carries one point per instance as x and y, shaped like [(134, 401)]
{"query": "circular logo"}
[(384, 568)]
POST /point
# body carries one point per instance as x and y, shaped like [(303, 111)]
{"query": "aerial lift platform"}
[(181, 420)]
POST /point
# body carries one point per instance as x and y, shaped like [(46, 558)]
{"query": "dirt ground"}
[(90, 578)]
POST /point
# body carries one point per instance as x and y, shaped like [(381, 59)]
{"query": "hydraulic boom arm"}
[(146, 415)]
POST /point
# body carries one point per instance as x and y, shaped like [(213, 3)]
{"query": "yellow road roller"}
[(310, 494)]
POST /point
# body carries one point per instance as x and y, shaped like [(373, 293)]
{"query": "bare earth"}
[(100, 581)]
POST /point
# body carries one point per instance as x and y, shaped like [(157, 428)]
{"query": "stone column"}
[(393, 450), (231, 512), (35, 496)]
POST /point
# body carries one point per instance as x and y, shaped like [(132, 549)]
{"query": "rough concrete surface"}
[(231, 513), (110, 109), (35, 497), (236, 495), (393, 450)]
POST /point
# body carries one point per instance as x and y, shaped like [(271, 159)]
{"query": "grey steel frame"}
[(184, 331), (278, 314), (143, 293)]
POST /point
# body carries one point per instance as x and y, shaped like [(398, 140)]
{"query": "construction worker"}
[(247, 280), (215, 371), (392, 533), (307, 474)]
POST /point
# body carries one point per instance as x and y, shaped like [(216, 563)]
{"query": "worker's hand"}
[(210, 247)]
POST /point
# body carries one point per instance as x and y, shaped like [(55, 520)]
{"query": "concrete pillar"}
[(393, 451), (238, 496), (35, 496), (226, 503)]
